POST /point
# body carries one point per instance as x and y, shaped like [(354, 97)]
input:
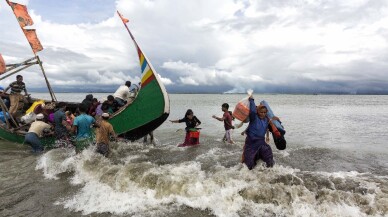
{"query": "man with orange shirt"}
[(103, 132)]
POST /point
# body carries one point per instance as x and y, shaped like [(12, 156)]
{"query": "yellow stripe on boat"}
[(146, 75)]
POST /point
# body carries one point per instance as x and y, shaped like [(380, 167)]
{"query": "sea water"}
[(335, 164)]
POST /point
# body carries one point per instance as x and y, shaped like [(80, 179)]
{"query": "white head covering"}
[(39, 116), (105, 115)]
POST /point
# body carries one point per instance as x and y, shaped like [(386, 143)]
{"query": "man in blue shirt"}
[(82, 127)]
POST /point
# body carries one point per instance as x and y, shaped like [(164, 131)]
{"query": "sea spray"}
[(136, 187)]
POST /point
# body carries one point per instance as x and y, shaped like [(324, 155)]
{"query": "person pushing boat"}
[(37, 130), (104, 131), (82, 127)]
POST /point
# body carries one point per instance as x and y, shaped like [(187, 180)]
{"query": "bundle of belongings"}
[(36, 108)]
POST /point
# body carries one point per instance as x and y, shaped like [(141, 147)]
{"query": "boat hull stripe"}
[(146, 75), (149, 79), (144, 64)]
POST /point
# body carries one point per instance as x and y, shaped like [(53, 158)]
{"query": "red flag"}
[(2, 65), (33, 40), (21, 14), (125, 20)]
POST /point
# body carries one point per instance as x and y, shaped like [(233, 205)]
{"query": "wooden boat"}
[(145, 113), (151, 106)]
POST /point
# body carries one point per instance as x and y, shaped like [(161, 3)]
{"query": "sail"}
[(21, 14), (2, 65)]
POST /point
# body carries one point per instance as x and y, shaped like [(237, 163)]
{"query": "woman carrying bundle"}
[(255, 145)]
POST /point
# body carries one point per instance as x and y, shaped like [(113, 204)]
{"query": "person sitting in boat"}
[(5, 97), (62, 127), (48, 111), (88, 101), (104, 131), (93, 107), (99, 109), (69, 117), (134, 92), (122, 94), (31, 113), (113, 105), (255, 147), (4, 119), (191, 123), (82, 128), (37, 130), (136, 89), (16, 97)]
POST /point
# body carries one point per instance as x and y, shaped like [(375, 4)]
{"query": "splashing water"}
[(133, 186)]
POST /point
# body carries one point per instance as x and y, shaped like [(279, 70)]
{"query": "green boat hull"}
[(146, 113)]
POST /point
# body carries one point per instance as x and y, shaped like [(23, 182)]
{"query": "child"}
[(227, 118), (191, 122), (69, 117)]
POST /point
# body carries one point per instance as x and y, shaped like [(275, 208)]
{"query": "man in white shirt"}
[(36, 130), (122, 93)]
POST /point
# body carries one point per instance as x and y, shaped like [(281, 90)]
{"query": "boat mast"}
[(53, 98), (167, 106), (133, 38)]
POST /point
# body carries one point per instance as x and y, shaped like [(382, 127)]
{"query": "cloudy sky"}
[(280, 46)]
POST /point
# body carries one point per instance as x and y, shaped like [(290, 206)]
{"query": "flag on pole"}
[(33, 40), (125, 20), (2, 65), (24, 20), (21, 14)]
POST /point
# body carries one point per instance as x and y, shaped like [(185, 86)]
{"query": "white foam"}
[(56, 161), (146, 189)]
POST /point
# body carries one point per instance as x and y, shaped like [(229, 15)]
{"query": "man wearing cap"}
[(37, 129), (103, 132), (16, 97), (122, 93)]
